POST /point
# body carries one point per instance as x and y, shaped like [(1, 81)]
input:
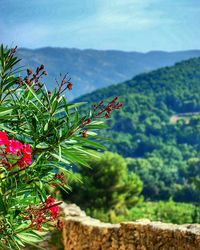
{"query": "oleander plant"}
[(42, 137)]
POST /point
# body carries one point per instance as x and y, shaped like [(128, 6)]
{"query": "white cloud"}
[(120, 15), (127, 13)]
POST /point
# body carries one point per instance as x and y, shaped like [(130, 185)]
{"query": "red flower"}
[(50, 205), (3, 138), (27, 159), (50, 200), (54, 211), (26, 150), (21, 163)]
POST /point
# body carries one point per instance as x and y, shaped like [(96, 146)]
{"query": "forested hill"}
[(169, 83), (93, 69), (164, 153)]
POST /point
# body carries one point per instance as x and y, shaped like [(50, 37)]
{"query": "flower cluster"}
[(50, 205), (104, 111), (99, 111), (43, 213), (64, 84), (13, 153), (33, 77)]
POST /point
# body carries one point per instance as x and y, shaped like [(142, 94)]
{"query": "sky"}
[(128, 25)]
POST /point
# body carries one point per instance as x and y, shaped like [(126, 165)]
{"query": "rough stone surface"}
[(84, 233)]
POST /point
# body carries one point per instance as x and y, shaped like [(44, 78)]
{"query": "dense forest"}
[(158, 129)]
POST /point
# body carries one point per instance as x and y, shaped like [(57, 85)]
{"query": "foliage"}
[(158, 128), (106, 185), (46, 128), (164, 211)]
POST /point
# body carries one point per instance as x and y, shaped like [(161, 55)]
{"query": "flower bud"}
[(69, 85), (84, 134), (41, 66), (27, 80), (29, 72)]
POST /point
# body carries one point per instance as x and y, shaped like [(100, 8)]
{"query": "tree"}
[(107, 184)]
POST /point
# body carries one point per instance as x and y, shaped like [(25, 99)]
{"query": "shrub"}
[(107, 185), (164, 211), (41, 137)]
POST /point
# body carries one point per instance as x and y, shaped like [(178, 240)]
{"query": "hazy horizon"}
[(125, 51)]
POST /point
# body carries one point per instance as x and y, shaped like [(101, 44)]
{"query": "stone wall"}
[(82, 232)]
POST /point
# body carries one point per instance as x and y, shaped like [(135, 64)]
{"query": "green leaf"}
[(5, 111), (91, 143), (60, 158), (29, 237), (42, 145), (75, 105), (2, 127), (96, 125), (34, 94)]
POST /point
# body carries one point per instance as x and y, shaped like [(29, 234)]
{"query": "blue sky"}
[(130, 25)]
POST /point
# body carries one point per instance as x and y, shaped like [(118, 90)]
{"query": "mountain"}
[(162, 150), (92, 69)]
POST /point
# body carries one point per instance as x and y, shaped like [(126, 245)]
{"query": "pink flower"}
[(14, 146), (14, 152)]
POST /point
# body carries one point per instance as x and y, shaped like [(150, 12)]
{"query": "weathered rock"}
[(84, 233)]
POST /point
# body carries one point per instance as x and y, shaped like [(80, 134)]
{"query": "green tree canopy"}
[(160, 123), (107, 184)]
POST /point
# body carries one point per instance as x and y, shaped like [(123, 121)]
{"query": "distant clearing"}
[(183, 116)]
